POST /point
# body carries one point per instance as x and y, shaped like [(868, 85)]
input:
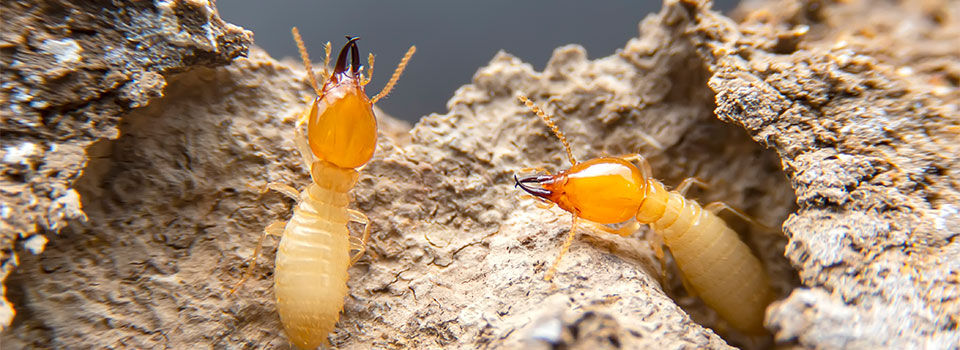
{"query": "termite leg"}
[(563, 251), (650, 140), (539, 202), (624, 231), (286, 190), (687, 183), (642, 161), (275, 229), (717, 207), (356, 243), (656, 243), (361, 218), (303, 146)]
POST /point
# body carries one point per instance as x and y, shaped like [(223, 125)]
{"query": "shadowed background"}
[(453, 38)]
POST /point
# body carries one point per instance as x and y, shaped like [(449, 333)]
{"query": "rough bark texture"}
[(860, 100), (865, 133), (69, 70)]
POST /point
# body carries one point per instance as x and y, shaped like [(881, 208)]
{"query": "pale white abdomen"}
[(310, 280), (720, 268)]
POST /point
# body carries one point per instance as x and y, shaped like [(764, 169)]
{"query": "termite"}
[(310, 276), (716, 265)]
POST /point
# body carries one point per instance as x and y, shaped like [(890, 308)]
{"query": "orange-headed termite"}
[(310, 277), (716, 265)]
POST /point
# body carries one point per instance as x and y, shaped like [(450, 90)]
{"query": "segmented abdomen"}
[(720, 268), (311, 269)]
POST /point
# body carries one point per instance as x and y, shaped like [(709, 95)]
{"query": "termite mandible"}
[(310, 277), (716, 265)]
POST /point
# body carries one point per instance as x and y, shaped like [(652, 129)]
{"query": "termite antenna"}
[(306, 60), (396, 75), (546, 119)]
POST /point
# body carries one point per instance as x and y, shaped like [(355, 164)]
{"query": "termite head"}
[(603, 190), (341, 127)]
